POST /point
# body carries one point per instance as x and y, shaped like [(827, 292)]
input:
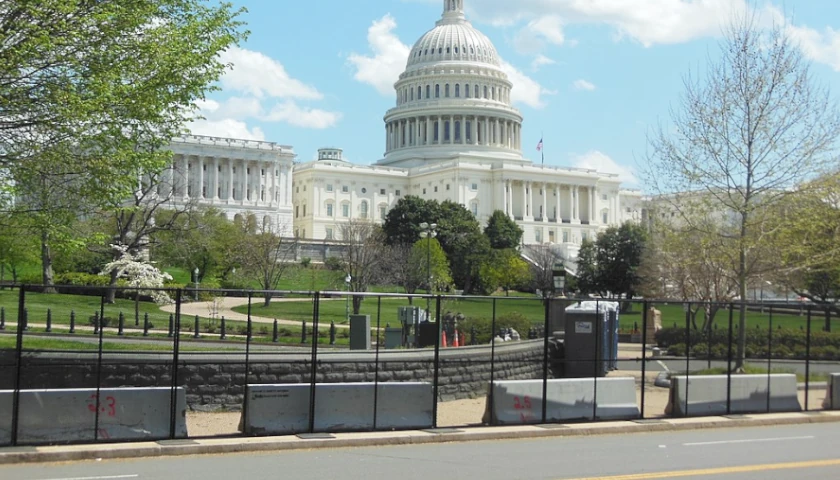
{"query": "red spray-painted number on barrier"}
[(108, 406), (524, 406)]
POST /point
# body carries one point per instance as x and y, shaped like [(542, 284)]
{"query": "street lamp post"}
[(347, 297), (428, 231), (195, 272)]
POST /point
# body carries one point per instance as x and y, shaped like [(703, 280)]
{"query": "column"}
[(592, 212), (428, 139), (463, 130), (558, 217), (200, 193), (510, 199), (577, 203), (186, 176), (243, 177), (524, 200), (215, 178), (273, 191), (505, 197), (230, 180), (419, 140), (545, 202), (387, 138)]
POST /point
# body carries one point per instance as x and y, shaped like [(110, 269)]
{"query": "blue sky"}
[(590, 76)]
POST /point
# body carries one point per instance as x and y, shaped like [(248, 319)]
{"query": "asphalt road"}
[(767, 453)]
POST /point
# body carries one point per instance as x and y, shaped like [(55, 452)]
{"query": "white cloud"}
[(381, 69), (581, 84), (595, 160), (257, 74), (227, 128), (293, 114), (540, 61), (821, 47), (525, 89), (545, 29)]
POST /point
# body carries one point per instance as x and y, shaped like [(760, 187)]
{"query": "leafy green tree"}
[(101, 87), (402, 223), (430, 263), (618, 256), (17, 249), (588, 276), (505, 269), (502, 231), (264, 256)]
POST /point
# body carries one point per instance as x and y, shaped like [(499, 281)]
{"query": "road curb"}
[(13, 455)]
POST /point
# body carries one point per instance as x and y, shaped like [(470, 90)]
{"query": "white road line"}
[(107, 477), (753, 440)]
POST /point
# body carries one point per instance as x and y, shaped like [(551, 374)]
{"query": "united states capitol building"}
[(452, 135)]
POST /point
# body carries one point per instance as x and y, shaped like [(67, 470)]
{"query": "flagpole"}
[(542, 150)]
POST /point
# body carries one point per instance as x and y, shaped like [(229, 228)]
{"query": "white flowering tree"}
[(140, 274)]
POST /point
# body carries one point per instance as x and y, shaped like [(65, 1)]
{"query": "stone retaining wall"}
[(216, 381)]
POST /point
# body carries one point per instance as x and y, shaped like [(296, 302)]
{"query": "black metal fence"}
[(209, 345)]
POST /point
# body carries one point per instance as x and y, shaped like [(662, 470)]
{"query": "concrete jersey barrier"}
[(284, 408), (832, 393), (517, 402), (706, 394), (68, 415)]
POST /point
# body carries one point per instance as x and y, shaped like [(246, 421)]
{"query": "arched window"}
[(457, 90), (437, 130), (469, 131), (446, 90), (363, 209), (457, 130), (419, 92), (437, 90), (446, 131), (485, 92), (412, 95), (428, 91), (467, 90), (493, 93), (476, 92)]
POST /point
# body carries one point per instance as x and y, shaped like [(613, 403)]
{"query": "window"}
[(485, 92), (428, 91), (476, 91), (538, 235), (583, 237), (424, 191), (297, 189), (446, 131), (397, 193), (467, 90), (304, 188), (447, 187), (474, 208), (412, 94), (436, 189), (382, 191), (419, 92), (345, 189), (363, 209), (437, 134), (364, 190), (204, 168), (565, 236), (383, 211), (304, 209), (248, 171), (297, 211), (329, 209), (474, 187), (446, 90), (329, 233), (457, 130), (604, 196), (345, 210), (437, 91), (329, 187), (457, 90), (262, 171)]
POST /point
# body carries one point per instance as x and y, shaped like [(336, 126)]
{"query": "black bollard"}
[(146, 324), (171, 326), (303, 333), (49, 320), (332, 332), (223, 334), (196, 333), (25, 319), (121, 326), (2, 318), (473, 340), (72, 321), (274, 337), (95, 323)]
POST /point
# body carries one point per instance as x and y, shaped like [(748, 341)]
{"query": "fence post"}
[(490, 394), (437, 364), (729, 364), (303, 332), (72, 321), (175, 333), (247, 359), (196, 327), (644, 354), (376, 360), (96, 326), (769, 353), (313, 358), (2, 318), (274, 337), (146, 324), (807, 356), (546, 306), (49, 320), (223, 335), (101, 315), (473, 340), (121, 328), (687, 351), (18, 366), (26, 319), (332, 332)]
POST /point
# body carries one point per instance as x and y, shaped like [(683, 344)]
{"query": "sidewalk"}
[(225, 310)]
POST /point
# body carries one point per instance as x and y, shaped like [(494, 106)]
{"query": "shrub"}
[(334, 263), (483, 326), (784, 343)]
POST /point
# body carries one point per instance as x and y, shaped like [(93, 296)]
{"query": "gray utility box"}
[(359, 332), (588, 338)]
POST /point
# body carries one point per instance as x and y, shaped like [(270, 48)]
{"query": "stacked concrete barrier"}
[(704, 395), (69, 415), (832, 393), (517, 402), (284, 408)]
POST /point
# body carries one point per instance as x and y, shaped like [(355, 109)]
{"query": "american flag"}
[(540, 146)]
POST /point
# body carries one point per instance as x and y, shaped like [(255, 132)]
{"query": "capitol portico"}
[(453, 134)]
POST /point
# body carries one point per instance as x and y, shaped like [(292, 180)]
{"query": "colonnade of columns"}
[(229, 180), (566, 197), (453, 130)]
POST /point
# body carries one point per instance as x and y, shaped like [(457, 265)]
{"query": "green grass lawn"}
[(674, 314), (51, 344), (755, 370)]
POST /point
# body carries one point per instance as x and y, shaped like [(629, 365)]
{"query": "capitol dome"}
[(453, 98)]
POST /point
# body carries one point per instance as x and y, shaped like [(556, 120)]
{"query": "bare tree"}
[(265, 255), (543, 261), (743, 135), (364, 256)]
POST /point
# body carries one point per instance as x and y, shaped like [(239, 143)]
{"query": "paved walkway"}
[(225, 309)]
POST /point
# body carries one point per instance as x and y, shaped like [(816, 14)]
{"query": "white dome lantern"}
[(452, 98)]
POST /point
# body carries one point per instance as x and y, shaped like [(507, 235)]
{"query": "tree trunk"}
[(267, 299), (827, 319), (46, 264), (357, 304), (111, 294)]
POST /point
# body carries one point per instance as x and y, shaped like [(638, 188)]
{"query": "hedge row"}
[(783, 343)]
